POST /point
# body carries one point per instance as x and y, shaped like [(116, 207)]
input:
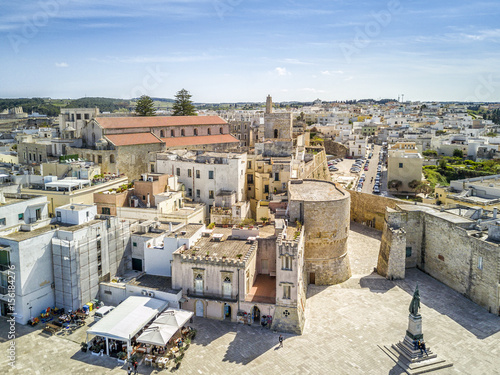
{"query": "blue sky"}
[(242, 50)]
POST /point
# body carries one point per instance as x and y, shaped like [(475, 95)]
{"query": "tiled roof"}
[(132, 139), (157, 121), (199, 140)]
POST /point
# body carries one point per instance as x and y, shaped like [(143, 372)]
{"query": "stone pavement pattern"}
[(345, 325)]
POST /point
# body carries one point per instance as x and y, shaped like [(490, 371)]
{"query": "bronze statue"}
[(415, 302)]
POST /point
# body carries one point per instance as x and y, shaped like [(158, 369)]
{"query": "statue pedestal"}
[(414, 330), (408, 357)]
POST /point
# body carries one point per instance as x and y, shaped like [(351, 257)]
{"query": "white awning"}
[(157, 334), (174, 317), (128, 318)]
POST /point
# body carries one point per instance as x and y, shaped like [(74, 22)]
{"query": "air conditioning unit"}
[(151, 294), (150, 179), (144, 293)]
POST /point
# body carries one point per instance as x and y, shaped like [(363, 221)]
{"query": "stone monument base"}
[(411, 361)]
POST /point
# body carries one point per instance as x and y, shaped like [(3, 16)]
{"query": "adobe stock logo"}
[(372, 29), (486, 89), (33, 23)]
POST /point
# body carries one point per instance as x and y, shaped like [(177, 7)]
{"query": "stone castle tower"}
[(277, 125), (324, 209)]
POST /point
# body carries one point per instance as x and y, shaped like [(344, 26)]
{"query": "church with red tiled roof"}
[(122, 144)]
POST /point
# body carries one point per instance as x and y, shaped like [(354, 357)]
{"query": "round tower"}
[(324, 210)]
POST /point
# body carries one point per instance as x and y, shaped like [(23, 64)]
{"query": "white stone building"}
[(205, 175)]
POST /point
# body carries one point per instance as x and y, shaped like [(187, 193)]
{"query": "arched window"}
[(182, 133), (221, 130), (195, 131), (209, 132), (172, 134), (162, 133)]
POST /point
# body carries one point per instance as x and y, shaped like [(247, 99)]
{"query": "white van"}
[(100, 313)]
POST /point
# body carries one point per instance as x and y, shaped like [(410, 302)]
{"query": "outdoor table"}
[(141, 350), (162, 362), (148, 359)]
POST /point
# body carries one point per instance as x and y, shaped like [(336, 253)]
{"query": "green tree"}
[(423, 188), (145, 106), (413, 184), (430, 153), (457, 153), (395, 184), (183, 105)]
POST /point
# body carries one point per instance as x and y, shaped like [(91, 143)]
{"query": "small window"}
[(408, 251), (190, 173), (210, 194), (182, 133), (266, 188), (172, 133), (286, 291), (480, 263), (276, 176), (86, 116), (195, 131), (78, 116), (112, 159), (400, 165), (134, 244), (221, 130), (198, 173), (98, 244), (209, 132), (99, 159), (249, 178), (162, 133), (106, 211), (198, 193), (249, 165), (2, 221), (108, 292), (178, 171), (210, 175), (286, 262), (190, 192), (20, 216)]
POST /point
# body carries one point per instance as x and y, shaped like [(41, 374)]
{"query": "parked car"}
[(376, 190)]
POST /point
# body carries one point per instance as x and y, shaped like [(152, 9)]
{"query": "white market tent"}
[(128, 318), (157, 334), (174, 317)]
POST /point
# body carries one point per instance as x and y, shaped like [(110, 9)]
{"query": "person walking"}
[(281, 341), (129, 370), (135, 367)]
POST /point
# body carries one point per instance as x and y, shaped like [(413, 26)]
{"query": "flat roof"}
[(154, 282), (189, 229), (128, 318), (315, 190), (225, 247)]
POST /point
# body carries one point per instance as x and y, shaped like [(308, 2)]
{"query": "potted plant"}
[(84, 346)]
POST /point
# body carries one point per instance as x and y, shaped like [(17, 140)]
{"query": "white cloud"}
[(62, 65), (331, 72), (282, 71)]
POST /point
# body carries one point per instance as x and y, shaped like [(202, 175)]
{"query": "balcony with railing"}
[(211, 296)]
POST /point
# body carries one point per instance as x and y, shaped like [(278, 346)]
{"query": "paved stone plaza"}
[(345, 326)]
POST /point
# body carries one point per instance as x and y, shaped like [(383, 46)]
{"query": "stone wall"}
[(334, 148), (447, 247), (391, 259), (369, 209)]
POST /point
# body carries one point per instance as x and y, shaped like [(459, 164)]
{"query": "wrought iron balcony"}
[(211, 296)]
